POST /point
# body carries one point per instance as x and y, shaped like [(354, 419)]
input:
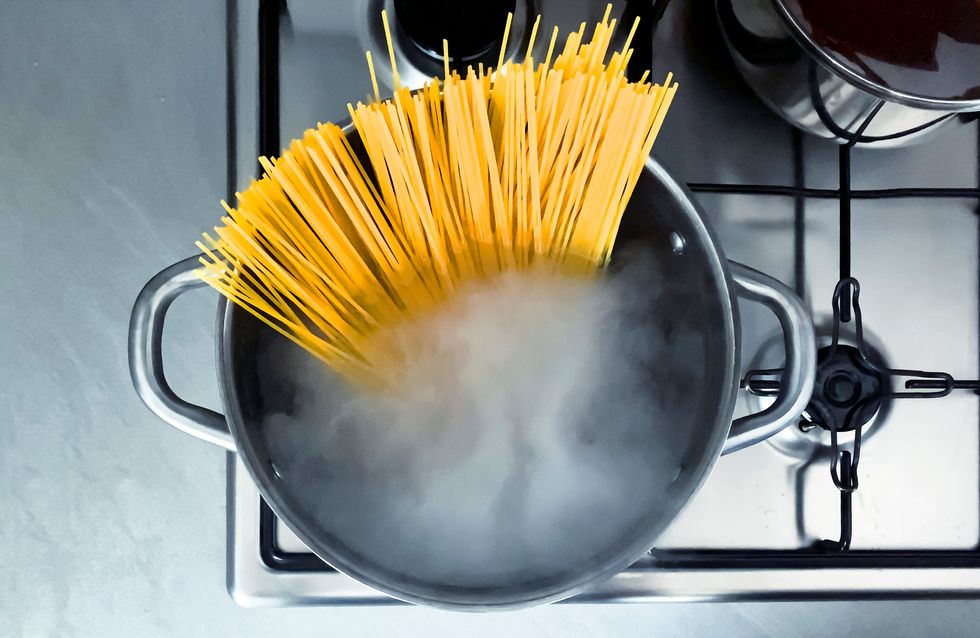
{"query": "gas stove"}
[(789, 518)]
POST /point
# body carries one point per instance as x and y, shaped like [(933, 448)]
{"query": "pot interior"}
[(356, 502)]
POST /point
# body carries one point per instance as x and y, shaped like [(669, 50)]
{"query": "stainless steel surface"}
[(917, 261), (146, 356), (800, 349), (796, 79)]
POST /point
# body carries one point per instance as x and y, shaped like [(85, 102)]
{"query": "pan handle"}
[(146, 356), (799, 340)]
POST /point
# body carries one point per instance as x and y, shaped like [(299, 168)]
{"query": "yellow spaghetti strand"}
[(391, 51), (503, 43), (530, 41), (445, 57), (374, 78)]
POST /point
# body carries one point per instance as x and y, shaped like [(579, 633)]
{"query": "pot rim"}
[(265, 477)]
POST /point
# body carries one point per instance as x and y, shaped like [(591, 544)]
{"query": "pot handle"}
[(799, 340), (146, 356)]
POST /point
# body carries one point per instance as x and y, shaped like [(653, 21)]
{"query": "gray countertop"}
[(112, 158)]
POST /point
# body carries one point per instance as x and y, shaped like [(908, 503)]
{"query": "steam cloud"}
[(521, 441)]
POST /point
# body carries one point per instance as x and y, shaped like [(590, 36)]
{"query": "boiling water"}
[(521, 440)]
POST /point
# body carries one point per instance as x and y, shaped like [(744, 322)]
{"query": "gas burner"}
[(851, 386), (847, 389), (844, 379)]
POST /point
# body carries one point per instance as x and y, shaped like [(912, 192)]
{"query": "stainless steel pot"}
[(699, 365), (814, 91)]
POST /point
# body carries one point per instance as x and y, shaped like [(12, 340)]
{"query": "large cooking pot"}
[(698, 369), (858, 72)]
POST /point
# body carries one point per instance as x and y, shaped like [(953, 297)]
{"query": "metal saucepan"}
[(821, 92), (698, 368)]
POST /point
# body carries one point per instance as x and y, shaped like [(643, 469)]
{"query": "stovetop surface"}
[(749, 532)]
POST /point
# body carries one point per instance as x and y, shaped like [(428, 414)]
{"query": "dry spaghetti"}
[(526, 165)]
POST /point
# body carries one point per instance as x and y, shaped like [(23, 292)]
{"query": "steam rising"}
[(520, 440)]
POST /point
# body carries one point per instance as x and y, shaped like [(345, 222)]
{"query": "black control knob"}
[(473, 28)]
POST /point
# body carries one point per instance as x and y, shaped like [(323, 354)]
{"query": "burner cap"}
[(843, 381)]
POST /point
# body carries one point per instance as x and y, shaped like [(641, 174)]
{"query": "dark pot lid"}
[(924, 53)]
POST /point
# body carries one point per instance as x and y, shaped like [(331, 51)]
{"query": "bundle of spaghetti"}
[(526, 165)]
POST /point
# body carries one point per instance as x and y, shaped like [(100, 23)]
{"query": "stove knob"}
[(473, 28)]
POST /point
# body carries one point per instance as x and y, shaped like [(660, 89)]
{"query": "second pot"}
[(821, 91)]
